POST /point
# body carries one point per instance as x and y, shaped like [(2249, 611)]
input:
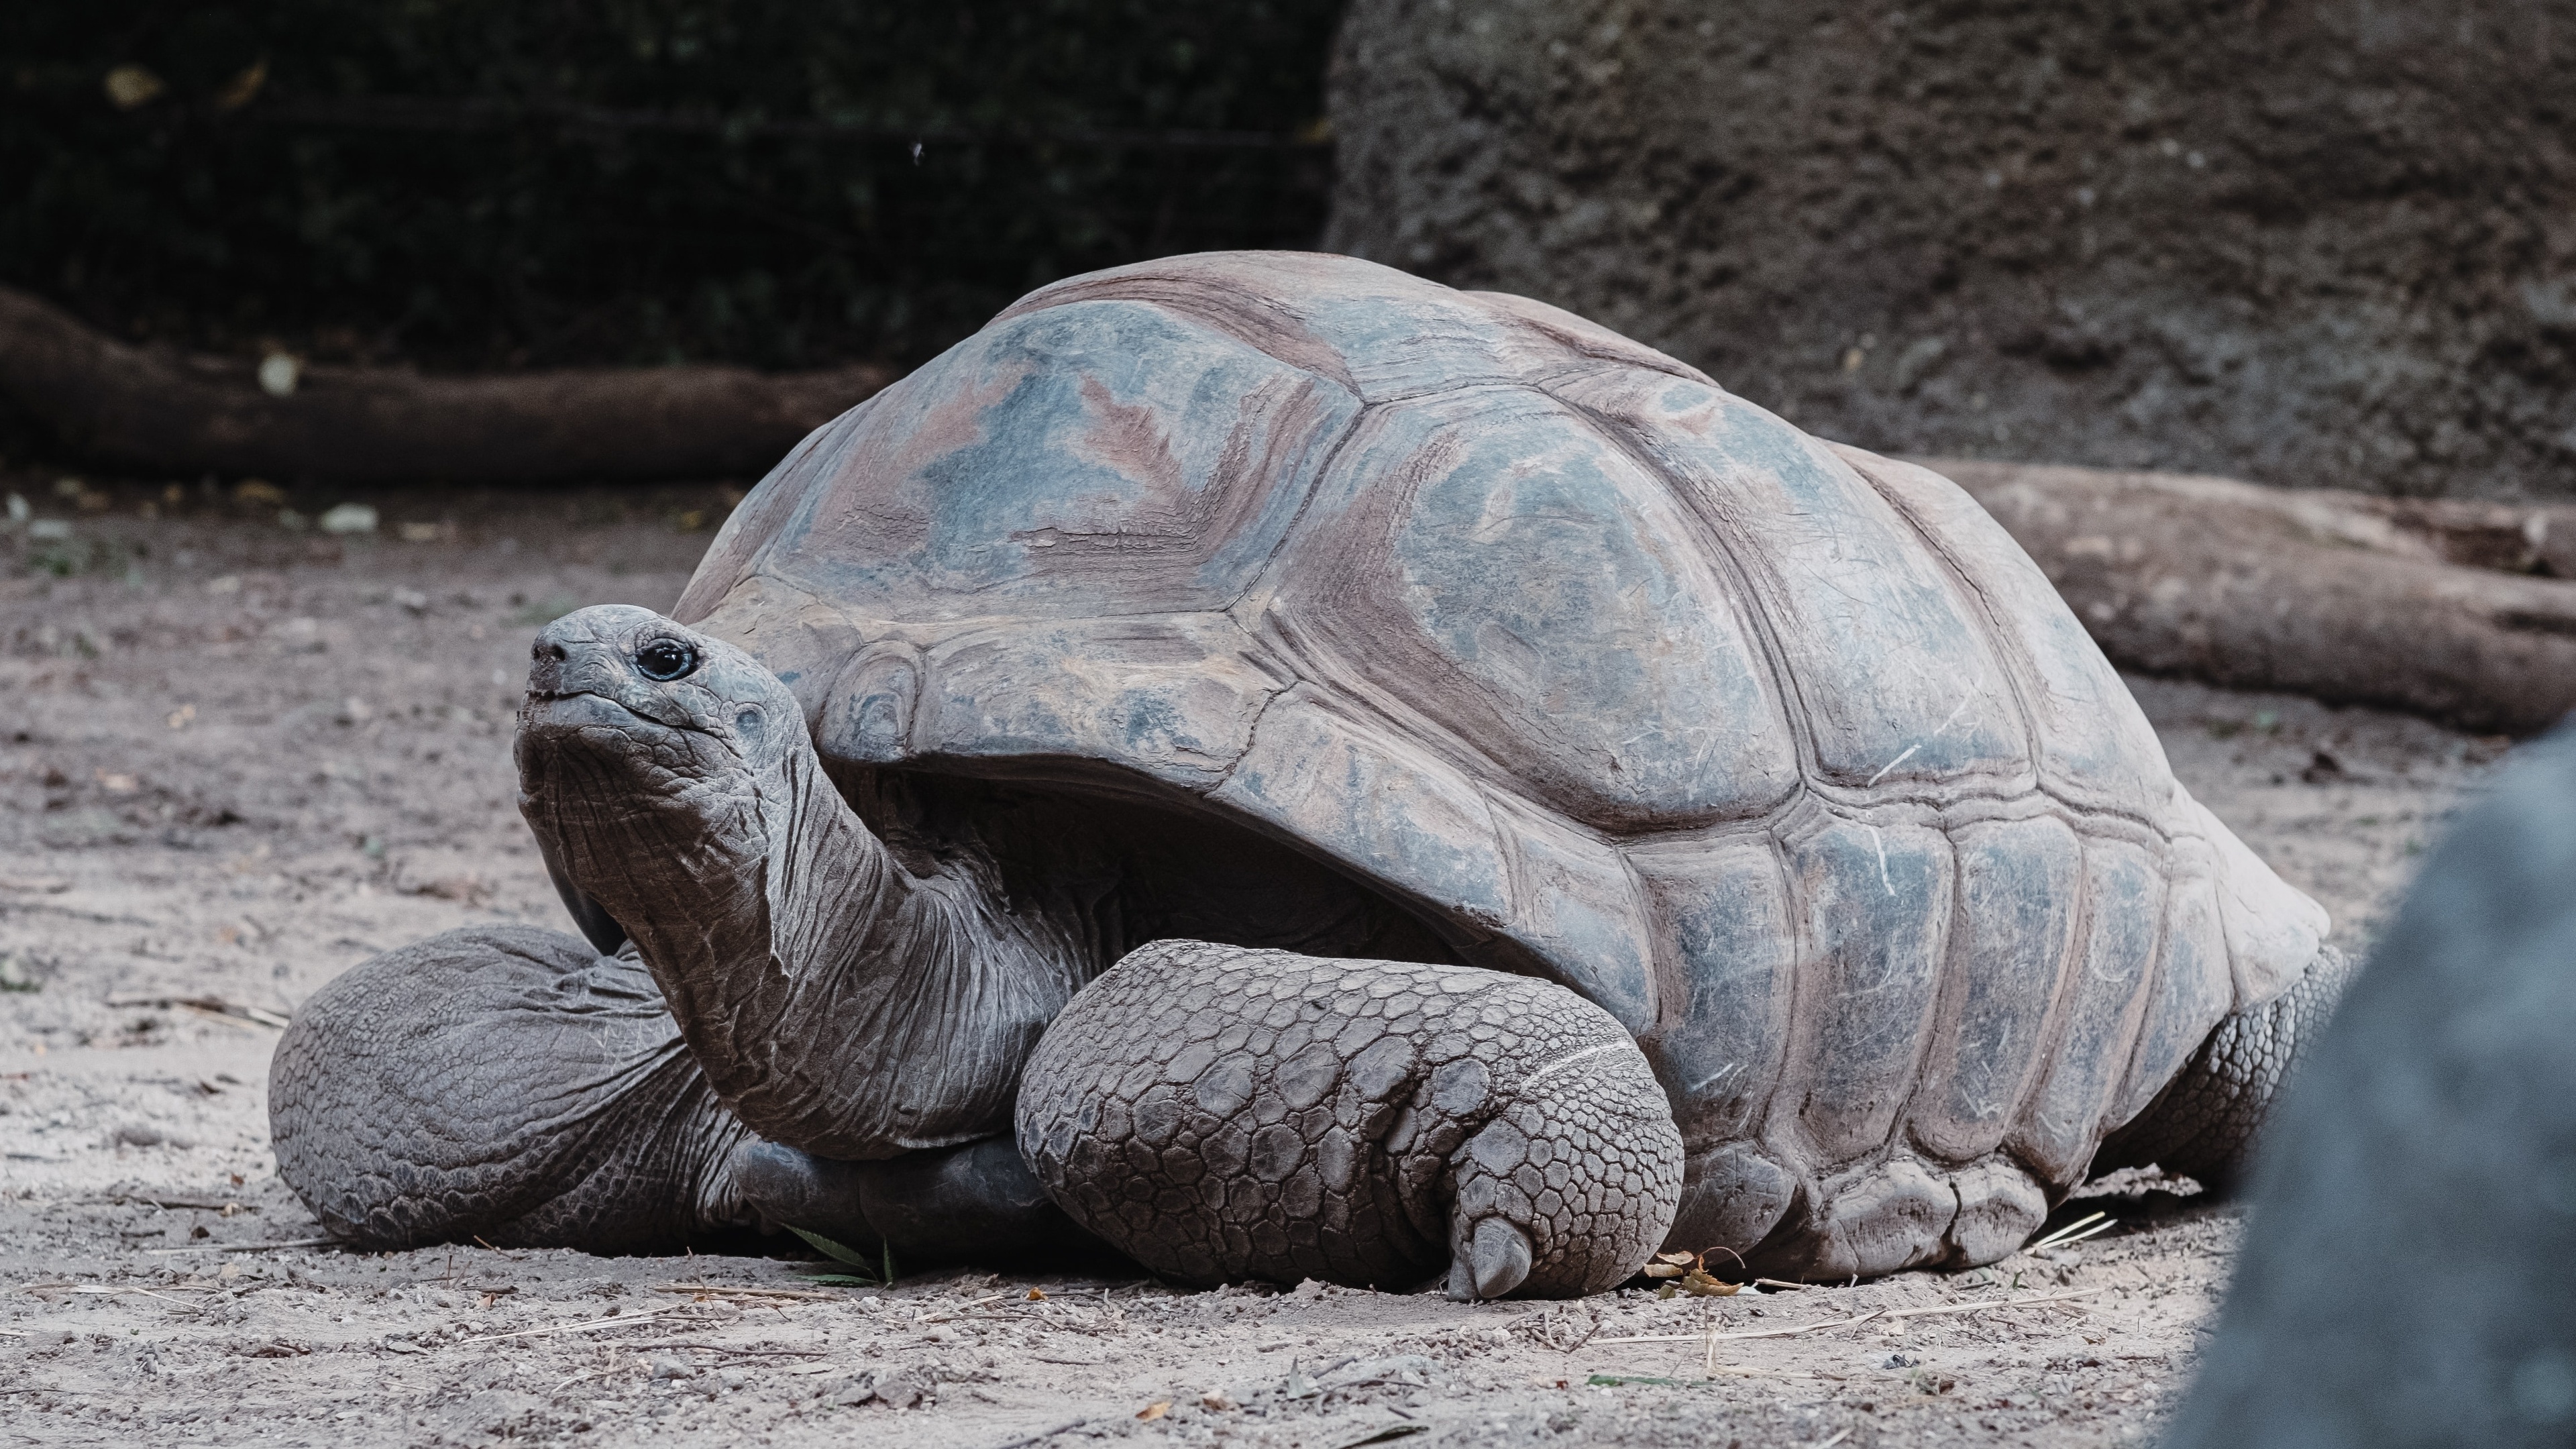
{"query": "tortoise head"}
[(836, 1005), (646, 747), (659, 701)]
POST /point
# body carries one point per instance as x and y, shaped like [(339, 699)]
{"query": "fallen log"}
[(157, 410), (2459, 610)]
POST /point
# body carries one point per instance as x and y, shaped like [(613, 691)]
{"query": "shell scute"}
[(1895, 678), (1726, 929), (2019, 886), (1090, 459), (1174, 697), (1489, 563), (2097, 1012), (1574, 900), (2095, 744), (2193, 986), (1380, 333), (1874, 907), (1372, 802)]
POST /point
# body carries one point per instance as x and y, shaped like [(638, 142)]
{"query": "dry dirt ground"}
[(238, 756)]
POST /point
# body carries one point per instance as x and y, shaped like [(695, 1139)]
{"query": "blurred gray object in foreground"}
[(2410, 1274)]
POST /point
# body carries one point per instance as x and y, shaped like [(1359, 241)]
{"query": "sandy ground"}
[(237, 757)]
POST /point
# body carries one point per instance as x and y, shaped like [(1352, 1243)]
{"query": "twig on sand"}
[(246, 1247), (1796, 1329), (742, 1290), (214, 1006), (739, 1350), (1788, 1332), (109, 1290), (226, 1206), (1992, 1303), (585, 1326), (1839, 1435), (2073, 1233), (949, 1315), (1043, 1435), (1721, 1370)]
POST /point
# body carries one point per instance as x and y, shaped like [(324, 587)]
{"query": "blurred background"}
[(2310, 243), (496, 183)]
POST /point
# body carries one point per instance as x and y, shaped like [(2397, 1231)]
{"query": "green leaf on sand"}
[(869, 1275)]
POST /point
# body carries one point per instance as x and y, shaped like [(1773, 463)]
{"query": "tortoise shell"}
[(1781, 752)]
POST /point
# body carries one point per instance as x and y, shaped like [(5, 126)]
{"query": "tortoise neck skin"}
[(840, 1003)]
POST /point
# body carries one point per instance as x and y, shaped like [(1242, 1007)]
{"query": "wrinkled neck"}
[(839, 1003)]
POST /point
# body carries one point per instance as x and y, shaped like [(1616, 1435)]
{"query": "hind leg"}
[(2203, 1126), (505, 1083), (512, 1084)]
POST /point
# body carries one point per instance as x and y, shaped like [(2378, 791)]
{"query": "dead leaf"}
[(1154, 1410), (1700, 1282)]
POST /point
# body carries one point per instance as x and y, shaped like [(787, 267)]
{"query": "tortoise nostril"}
[(544, 651)]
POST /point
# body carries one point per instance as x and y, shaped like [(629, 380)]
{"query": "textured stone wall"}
[(2312, 243)]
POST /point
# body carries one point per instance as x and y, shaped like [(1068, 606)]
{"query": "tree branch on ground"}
[(159, 411), (2461, 610)]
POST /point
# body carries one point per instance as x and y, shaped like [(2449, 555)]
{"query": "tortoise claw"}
[(1500, 1259)]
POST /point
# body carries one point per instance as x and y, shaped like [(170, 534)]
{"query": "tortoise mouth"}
[(580, 745), (575, 709)]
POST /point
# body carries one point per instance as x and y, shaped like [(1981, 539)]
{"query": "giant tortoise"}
[(1547, 807)]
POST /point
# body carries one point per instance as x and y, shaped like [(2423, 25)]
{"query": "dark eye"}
[(665, 659)]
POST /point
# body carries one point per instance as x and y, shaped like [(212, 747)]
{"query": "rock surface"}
[(2318, 245)]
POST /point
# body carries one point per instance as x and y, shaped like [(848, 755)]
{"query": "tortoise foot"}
[(1221, 1113), (2203, 1125)]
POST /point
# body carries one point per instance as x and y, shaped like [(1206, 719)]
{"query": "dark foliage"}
[(526, 182)]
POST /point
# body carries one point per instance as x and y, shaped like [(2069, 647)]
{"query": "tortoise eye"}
[(665, 659)]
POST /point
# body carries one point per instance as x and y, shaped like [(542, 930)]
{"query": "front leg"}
[(1218, 1112)]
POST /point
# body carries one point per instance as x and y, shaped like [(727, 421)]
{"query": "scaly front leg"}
[(1218, 1112)]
